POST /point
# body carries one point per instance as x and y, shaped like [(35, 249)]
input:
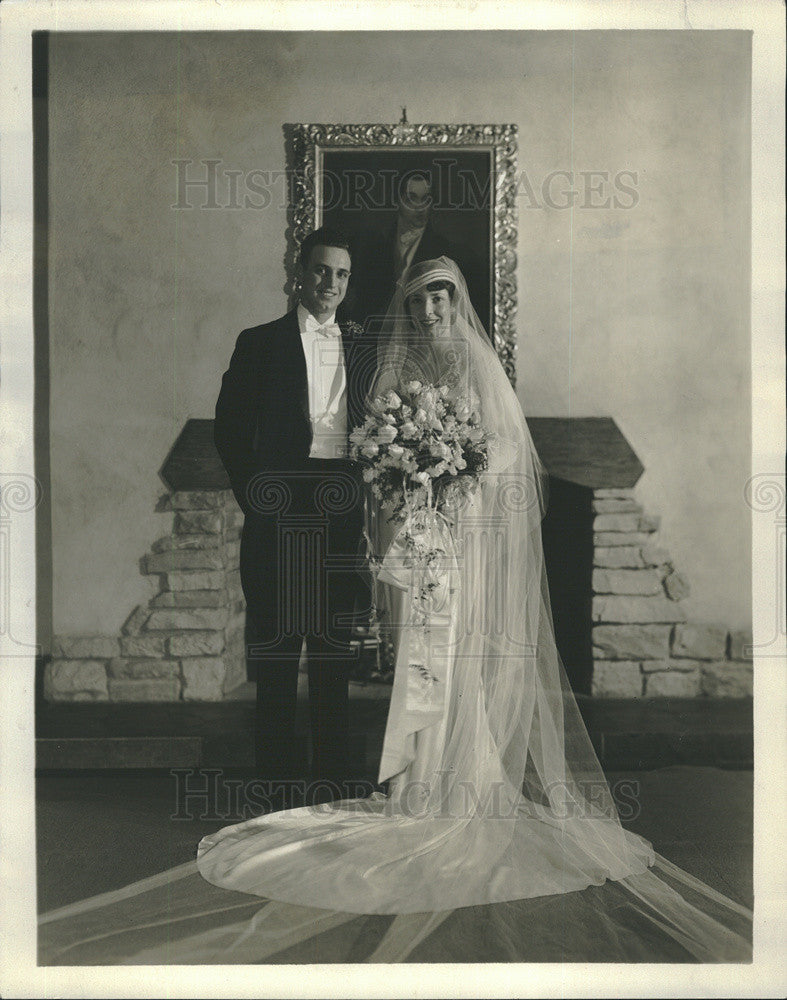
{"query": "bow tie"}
[(322, 329)]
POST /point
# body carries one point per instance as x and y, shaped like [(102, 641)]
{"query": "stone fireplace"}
[(616, 593)]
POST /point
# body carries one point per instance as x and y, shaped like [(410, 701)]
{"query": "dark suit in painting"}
[(299, 558)]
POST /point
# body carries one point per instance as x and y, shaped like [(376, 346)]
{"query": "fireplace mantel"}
[(585, 451), (616, 595)]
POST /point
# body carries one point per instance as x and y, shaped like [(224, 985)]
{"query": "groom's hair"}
[(325, 236)]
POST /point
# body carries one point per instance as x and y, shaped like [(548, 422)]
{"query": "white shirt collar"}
[(306, 320)]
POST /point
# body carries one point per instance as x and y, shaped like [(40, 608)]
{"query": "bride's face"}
[(431, 311)]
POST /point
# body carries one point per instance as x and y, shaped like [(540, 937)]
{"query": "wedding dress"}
[(499, 838)]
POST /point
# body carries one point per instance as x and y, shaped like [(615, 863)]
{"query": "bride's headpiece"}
[(425, 272)]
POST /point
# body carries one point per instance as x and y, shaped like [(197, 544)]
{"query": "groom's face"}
[(324, 280)]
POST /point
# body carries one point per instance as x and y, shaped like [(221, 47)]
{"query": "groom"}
[(292, 393)]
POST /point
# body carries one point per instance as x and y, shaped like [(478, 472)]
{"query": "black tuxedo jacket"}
[(262, 413)]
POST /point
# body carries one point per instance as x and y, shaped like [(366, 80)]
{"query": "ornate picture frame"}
[(345, 174)]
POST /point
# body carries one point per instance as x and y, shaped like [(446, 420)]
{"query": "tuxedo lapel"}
[(295, 361)]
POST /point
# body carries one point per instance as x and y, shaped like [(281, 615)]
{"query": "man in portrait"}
[(383, 252)]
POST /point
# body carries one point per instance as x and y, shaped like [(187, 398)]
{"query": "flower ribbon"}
[(421, 560)]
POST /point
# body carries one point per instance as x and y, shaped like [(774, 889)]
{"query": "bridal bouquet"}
[(423, 450)]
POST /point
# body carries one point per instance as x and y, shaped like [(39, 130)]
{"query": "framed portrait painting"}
[(451, 186)]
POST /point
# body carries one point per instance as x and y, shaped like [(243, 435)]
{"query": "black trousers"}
[(300, 574)]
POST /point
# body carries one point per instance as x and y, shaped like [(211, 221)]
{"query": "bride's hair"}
[(435, 286)]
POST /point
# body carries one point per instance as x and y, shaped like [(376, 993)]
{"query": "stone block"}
[(636, 609), (233, 517), (196, 644), (727, 679), (616, 522), (232, 549), (84, 647), (149, 689), (616, 679), (676, 586), (75, 680), (235, 673), (631, 642), (237, 621), (614, 492), (189, 522), (236, 646), (648, 666), (618, 557), (199, 541), (699, 642), (198, 499), (180, 559), (203, 679), (610, 538), (673, 684), (616, 505), (649, 523), (654, 555), (142, 645), (231, 534), (172, 620), (741, 645), (124, 668), (626, 581), (191, 599), (136, 620), (207, 580)]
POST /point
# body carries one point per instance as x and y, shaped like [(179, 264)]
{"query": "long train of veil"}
[(499, 829)]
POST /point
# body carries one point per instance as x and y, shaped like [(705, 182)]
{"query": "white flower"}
[(386, 434), (370, 449), (409, 430), (392, 401), (440, 450), (420, 415), (413, 386), (396, 451), (368, 475), (422, 477)]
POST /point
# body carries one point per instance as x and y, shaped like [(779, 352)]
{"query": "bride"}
[(498, 830)]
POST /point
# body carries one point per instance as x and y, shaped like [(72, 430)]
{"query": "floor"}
[(100, 830)]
